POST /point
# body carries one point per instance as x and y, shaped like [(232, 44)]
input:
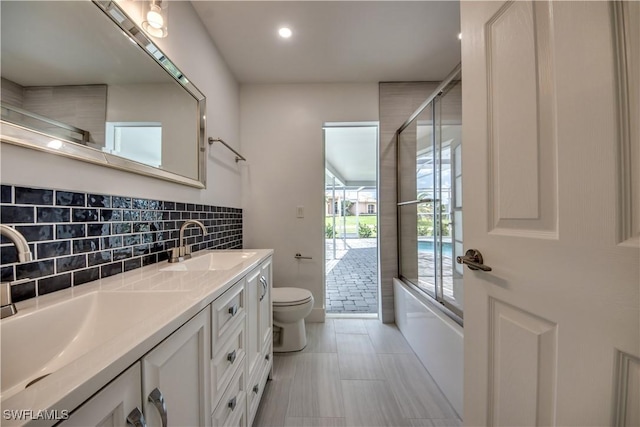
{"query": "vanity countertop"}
[(191, 291)]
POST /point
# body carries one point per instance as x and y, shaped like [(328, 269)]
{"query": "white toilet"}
[(290, 307)]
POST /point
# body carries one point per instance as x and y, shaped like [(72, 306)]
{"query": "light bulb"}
[(55, 144), (154, 17), (285, 32), (459, 36)]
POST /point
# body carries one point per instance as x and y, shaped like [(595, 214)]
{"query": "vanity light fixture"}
[(155, 18), (285, 32), (55, 144)]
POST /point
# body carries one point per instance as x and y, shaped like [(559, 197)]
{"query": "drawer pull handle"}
[(231, 357), (233, 310), (136, 419), (156, 398), (232, 403), (256, 388), (263, 281)]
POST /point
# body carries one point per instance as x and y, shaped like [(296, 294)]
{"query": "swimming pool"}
[(427, 246)]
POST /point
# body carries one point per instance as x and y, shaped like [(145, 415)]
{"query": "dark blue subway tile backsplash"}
[(5, 193), (33, 196), (77, 238), (98, 201), (16, 214), (67, 198)]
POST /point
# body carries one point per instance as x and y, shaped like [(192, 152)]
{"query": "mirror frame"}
[(25, 137)]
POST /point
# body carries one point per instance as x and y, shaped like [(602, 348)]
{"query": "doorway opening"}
[(351, 218)]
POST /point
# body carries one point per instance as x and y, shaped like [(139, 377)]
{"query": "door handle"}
[(231, 357), (136, 419), (157, 399), (473, 259)]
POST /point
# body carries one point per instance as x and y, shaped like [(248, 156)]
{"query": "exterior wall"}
[(282, 138)]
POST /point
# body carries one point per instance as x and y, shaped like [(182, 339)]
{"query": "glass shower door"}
[(448, 117), (430, 199)]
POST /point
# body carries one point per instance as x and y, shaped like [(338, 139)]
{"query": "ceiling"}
[(335, 41), (350, 155)]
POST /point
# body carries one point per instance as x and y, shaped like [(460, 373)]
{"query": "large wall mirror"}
[(80, 79)]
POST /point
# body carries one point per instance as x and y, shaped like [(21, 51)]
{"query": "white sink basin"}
[(40, 342), (211, 261)]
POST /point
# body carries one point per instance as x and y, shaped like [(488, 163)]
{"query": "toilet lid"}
[(289, 296)]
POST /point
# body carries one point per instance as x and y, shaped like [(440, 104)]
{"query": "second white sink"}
[(211, 261)]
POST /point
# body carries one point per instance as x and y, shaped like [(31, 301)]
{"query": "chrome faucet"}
[(7, 307), (183, 251), (18, 240)]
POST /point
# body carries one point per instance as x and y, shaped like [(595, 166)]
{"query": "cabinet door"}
[(254, 341), (266, 319), (175, 377), (111, 406)]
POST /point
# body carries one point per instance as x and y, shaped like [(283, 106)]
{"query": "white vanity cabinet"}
[(259, 334), (228, 383), (211, 371), (171, 378), (175, 376), (114, 405)]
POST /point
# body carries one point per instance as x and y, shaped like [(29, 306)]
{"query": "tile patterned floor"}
[(351, 278), (354, 372)]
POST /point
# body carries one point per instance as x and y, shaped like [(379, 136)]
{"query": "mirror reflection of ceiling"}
[(32, 30), (351, 154)]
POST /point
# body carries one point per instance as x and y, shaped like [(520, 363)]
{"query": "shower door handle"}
[(473, 259)]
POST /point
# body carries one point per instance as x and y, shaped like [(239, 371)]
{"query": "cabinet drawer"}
[(227, 358), (231, 410), (228, 311)]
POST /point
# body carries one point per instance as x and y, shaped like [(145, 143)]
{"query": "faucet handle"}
[(5, 291)]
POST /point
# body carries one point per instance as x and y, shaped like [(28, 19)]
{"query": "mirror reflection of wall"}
[(69, 72)]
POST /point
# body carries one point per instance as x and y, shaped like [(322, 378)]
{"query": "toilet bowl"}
[(290, 307)]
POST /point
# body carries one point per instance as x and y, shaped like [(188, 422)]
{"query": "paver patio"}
[(352, 278)]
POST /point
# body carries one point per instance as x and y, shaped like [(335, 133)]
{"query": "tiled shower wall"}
[(76, 238)]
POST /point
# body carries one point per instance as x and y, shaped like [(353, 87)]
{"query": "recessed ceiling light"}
[(285, 32), (459, 36)]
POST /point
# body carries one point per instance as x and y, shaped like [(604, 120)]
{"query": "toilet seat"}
[(286, 297)]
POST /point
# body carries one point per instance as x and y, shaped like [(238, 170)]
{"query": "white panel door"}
[(552, 333)]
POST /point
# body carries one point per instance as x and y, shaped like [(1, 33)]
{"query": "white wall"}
[(436, 339), (282, 138), (191, 48)]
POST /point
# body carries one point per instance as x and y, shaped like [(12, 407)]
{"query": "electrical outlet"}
[(300, 211)]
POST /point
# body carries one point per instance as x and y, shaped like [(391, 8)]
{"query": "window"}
[(138, 141), (430, 199), (371, 209)]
